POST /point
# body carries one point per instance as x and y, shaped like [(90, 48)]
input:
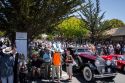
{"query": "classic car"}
[(118, 59), (93, 66), (78, 50)]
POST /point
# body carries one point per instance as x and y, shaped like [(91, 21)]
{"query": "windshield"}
[(82, 50), (101, 60)]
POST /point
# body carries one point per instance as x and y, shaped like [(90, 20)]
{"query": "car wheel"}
[(87, 74), (124, 69)]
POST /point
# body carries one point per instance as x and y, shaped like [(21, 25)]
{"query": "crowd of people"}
[(49, 56), (44, 60), (107, 49)]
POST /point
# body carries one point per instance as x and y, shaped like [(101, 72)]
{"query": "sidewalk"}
[(64, 79)]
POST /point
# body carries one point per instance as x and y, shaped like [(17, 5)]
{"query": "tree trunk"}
[(92, 35)]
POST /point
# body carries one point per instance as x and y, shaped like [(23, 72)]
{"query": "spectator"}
[(111, 49), (105, 51), (36, 63), (123, 50), (47, 60), (69, 63), (118, 49), (99, 49), (22, 69), (15, 69), (56, 61), (1, 55), (6, 66)]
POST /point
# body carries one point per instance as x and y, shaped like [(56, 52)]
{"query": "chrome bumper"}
[(105, 75)]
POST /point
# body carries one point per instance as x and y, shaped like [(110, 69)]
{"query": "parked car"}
[(78, 50), (93, 67), (118, 59)]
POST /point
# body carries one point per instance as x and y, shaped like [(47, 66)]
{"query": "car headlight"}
[(97, 63), (108, 62)]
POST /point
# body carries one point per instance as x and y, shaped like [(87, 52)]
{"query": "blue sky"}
[(113, 9)]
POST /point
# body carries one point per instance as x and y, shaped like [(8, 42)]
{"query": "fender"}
[(93, 68)]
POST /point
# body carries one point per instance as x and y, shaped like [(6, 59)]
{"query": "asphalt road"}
[(120, 78), (77, 78)]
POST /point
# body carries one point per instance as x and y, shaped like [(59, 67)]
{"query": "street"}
[(120, 78)]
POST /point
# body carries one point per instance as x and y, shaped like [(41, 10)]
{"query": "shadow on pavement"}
[(121, 72), (80, 78)]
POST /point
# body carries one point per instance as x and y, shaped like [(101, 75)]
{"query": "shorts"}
[(69, 69)]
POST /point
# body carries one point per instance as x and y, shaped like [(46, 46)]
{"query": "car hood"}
[(88, 55), (107, 57)]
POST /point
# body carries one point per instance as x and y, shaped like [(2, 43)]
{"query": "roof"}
[(116, 31)]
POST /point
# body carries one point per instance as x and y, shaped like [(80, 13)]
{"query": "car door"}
[(119, 62)]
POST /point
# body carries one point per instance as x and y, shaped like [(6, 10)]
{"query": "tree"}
[(33, 16), (72, 28), (91, 13), (2, 33), (115, 23)]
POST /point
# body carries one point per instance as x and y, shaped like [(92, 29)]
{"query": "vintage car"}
[(118, 59), (78, 50), (91, 65)]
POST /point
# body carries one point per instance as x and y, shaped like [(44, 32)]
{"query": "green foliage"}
[(115, 23), (2, 33), (91, 13), (50, 37), (72, 27), (33, 16)]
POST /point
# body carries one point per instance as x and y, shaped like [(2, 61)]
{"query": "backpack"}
[(46, 57)]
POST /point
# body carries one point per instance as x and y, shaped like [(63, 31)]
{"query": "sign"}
[(21, 35), (21, 43)]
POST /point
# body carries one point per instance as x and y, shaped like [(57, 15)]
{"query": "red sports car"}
[(118, 59)]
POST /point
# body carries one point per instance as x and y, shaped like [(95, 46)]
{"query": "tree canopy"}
[(72, 27), (33, 16), (115, 23), (91, 13)]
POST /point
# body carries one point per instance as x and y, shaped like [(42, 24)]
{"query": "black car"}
[(93, 66)]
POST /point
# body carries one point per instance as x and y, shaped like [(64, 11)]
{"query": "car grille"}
[(102, 69)]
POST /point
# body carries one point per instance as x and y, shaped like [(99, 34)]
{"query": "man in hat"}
[(6, 66)]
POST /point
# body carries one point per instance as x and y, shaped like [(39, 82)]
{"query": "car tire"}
[(87, 74), (123, 69)]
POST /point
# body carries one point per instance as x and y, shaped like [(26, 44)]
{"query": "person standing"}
[(22, 69), (56, 63), (123, 50), (15, 68), (1, 55), (118, 49), (6, 66), (69, 63), (99, 49), (47, 59), (111, 49)]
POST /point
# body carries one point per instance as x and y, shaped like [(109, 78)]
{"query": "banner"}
[(21, 43)]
